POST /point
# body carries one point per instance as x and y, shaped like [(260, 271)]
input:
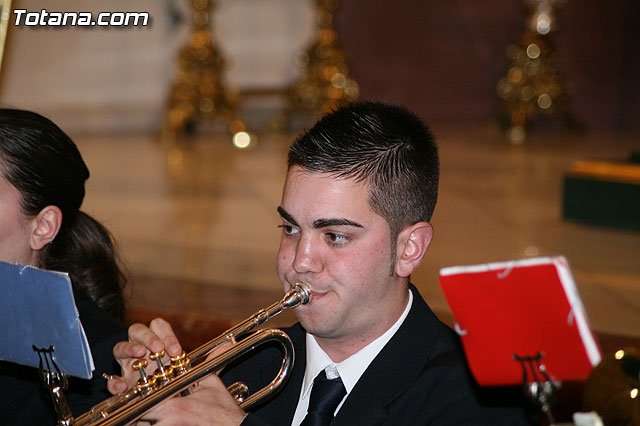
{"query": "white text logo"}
[(83, 19)]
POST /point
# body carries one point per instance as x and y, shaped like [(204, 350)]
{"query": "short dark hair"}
[(385, 145)]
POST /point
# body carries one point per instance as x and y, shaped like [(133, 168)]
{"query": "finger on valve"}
[(163, 330)]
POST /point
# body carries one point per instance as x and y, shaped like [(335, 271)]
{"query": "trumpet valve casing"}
[(180, 364)]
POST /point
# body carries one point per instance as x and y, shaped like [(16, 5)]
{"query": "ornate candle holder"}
[(198, 91), (531, 87), (325, 83)]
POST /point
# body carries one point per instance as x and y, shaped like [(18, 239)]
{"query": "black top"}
[(419, 378), (25, 401)]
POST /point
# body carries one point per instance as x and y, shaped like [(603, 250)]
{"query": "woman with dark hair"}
[(42, 177)]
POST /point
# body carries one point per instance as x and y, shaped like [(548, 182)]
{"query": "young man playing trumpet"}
[(359, 193)]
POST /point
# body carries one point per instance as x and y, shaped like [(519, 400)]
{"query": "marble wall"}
[(440, 58), (102, 79)]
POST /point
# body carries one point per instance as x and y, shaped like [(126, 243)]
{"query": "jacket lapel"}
[(386, 379)]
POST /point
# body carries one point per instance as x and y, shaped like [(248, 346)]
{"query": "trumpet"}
[(186, 370)]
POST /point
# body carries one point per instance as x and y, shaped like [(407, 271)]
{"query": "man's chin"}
[(307, 323), (312, 325)]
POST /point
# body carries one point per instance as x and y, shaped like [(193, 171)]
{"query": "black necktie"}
[(325, 396)]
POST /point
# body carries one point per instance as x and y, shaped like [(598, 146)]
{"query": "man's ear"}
[(45, 227), (413, 242)]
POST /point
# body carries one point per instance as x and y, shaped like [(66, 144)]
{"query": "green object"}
[(601, 202)]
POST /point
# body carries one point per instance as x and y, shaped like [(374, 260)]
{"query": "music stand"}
[(522, 321), (42, 328)]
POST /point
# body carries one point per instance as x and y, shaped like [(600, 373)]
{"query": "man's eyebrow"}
[(319, 223), (322, 223), (286, 216)]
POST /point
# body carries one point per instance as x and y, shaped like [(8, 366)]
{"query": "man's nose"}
[(307, 258)]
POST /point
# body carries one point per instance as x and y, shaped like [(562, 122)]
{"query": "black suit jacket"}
[(419, 378)]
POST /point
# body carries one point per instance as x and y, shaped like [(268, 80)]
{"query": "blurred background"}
[(535, 105)]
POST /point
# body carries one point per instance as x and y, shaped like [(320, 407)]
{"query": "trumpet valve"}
[(157, 357), (180, 364), (145, 383), (163, 376), (163, 373)]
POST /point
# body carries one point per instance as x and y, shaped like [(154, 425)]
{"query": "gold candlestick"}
[(325, 83), (531, 87), (198, 90), (5, 16)]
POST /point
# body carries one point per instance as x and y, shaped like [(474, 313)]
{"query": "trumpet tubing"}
[(188, 369)]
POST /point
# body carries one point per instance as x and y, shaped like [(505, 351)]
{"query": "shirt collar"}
[(353, 367)]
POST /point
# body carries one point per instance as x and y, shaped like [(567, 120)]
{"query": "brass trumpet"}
[(187, 369)]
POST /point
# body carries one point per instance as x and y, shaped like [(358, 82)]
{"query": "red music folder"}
[(524, 308)]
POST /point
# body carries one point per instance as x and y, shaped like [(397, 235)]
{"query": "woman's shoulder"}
[(102, 330)]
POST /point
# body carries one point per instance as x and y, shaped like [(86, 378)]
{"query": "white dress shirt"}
[(348, 370)]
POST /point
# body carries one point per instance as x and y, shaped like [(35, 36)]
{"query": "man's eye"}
[(337, 239), (288, 229)]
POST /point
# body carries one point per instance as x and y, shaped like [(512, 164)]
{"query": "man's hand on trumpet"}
[(143, 341), (210, 403)]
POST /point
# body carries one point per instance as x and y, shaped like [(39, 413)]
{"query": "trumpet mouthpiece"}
[(300, 294), (304, 291)]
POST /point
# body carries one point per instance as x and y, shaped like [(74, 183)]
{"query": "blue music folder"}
[(37, 308)]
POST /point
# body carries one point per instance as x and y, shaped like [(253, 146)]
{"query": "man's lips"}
[(315, 294)]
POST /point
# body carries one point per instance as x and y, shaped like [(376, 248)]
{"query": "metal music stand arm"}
[(541, 389), (56, 382)]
